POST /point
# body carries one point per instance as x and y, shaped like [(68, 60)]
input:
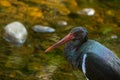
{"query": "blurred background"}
[(44, 22)]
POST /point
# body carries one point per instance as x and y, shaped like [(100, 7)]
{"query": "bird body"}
[(100, 62), (96, 61)]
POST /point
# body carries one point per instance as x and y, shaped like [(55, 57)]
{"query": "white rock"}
[(62, 23), (43, 29), (15, 33), (87, 11), (114, 36)]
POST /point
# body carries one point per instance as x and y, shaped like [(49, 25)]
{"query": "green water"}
[(29, 62)]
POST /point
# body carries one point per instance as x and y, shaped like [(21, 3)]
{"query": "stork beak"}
[(67, 38)]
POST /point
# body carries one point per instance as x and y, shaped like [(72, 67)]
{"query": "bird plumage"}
[(101, 63), (96, 61)]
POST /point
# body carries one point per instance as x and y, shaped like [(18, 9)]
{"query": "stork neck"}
[(71, 53), (78, 43), (71, 50)]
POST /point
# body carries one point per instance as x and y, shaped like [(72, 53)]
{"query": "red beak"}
[(62, 41)]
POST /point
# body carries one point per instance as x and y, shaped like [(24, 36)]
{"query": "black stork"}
[(96, 61)]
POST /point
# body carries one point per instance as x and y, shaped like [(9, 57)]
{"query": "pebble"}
[(114, 37), (62, 23), (43, 29), (15, 33), (87, 11)]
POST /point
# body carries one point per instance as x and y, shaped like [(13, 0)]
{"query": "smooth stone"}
[(15, 33), (114, 36), (43, 29), (87, 11), (62, 23)]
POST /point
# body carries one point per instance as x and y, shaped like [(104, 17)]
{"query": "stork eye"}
[(78, 33)]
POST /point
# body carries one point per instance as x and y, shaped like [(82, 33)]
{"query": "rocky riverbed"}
[(44, 22)]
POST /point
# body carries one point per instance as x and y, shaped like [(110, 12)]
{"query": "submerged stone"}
[(114, 37), (87, 11), (43, 29), (15, 62), (62, 23), (15, 33), (46, 73)]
